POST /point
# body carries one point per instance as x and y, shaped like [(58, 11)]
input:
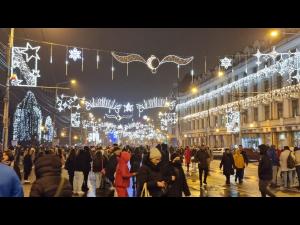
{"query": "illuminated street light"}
[(185, 135), (75, 137), (274, 33), (251, 125), (194, 90), (73, 81), (62, 134), (217, 130), (220, 73)]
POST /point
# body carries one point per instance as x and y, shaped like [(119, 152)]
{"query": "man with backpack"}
[(287, 165)]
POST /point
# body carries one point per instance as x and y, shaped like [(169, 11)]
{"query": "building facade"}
[(256, 101)]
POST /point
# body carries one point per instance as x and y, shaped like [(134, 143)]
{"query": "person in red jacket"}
[(122, 180), (187, 158)]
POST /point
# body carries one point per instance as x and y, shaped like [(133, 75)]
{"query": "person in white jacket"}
[(297, 159), (287, 173)]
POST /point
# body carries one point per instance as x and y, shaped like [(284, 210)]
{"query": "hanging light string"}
[(67, 60), (51, 54), (98, 59), (82, 60), (112, 68)]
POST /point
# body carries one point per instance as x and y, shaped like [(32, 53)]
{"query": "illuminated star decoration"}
[(75, 119), (29, 49), (25, 75), (226, 62), (74, 54), (128, 107)]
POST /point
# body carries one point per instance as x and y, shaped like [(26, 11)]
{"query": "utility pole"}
[(70, 129), (6, 98)]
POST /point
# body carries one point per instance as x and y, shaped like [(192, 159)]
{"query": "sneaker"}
[(204, 182)]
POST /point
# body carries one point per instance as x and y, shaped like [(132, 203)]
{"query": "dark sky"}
[(141, 83)]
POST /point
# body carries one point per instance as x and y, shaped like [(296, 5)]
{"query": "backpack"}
[(290, 162)]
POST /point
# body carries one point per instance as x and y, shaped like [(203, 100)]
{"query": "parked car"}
[(218, 152), (253, 155)]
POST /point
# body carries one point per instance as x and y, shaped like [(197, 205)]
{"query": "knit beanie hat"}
[(154, 153)]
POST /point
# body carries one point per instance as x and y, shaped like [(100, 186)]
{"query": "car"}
[(218, 152), (253, 155)]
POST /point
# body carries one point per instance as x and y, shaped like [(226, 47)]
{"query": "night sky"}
[(141, 83)]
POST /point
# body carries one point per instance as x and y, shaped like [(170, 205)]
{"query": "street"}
[(215, 184)]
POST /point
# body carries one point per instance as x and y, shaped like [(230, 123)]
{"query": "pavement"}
[(216, 186)]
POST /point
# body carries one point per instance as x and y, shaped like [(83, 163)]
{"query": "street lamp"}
[(194, 90)]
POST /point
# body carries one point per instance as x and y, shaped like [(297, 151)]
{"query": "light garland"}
[(63, 102), (118, 117), (155, 103), (166, 119), (291, 91), (150, 61), (28, 77), (232, 121), (27, 119), (285, 66), (103, 103)]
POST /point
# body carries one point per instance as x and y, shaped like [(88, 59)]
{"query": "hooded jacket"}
[(48, 177), (123, 175)]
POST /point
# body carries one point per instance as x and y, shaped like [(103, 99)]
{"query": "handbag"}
[(145, 191)]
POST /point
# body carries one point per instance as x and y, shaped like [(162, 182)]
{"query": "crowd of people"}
[(156, 172)]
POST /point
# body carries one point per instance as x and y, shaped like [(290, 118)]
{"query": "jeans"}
[(205, 174), (287, 175), (275, 172), (27, 171), (227, 178), (239, 174), (78, 181), (264, 188)]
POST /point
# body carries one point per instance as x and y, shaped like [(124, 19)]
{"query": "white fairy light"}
[(48, 136), (226, 62), (20, 60), (286, 66), (155, 103), (75, 119), (128, 107), (74, 54)]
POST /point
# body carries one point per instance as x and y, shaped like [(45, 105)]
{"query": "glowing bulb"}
[(274, 33), (194, 90), (67, 62), (251, 125), (220, 73), (112, 68), (192, 72)]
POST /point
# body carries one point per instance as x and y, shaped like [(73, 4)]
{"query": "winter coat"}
[(83, 162), (150, 174), (122, 172), (48, 178), (111, 166), (227, 163), (297, 157), (273, 156), (245, 156), (135, 162), (180, 185), (283, 160), (164, 153), (99, 165), (27, 161), (70, 164), (10, 185), (187, 155), (239, 161), (202, 157), (265, 165)]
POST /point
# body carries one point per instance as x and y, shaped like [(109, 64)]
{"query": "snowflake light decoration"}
[(128, 107), (74, 54), (155, 103), (232, 121), (67, 102), (226, 62)]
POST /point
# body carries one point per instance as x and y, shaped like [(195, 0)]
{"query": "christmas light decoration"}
[(232, 121), (103, 103), (288, 64), (74, 54), (75, 119), (226, 62), (118, 117), (155, 103), (128, 107), (152, 62), (27, 119), (48, 134), (22, 74), (166, 119), (69, 102)]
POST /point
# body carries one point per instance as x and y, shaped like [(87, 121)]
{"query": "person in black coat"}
[(163, 148), (87, 159), (48, 170), (70, 165), (27, 163), (112, 163), (227, 163), (179, 185), (265, 172), (151, 174), (135, 162), (202, 157)]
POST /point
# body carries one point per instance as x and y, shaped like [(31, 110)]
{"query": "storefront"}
[(296, 138), (251, 142)]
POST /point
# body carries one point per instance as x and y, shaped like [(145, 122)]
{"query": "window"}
[(216, 101), (279, 110), (216, 120), (202, 123), (267, 112), (208, 104), (245, 116), (266, 85), (199, 123), (279, 81), (236, 77), (255, 114), (202, 107), (255, 88), (222, 100), (229, 97), (245, 90), (254, 69), (295, 106), (229, 80)]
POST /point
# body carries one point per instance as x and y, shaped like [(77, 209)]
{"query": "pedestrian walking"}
[(187, 158), (135, 164), (202, 157), (70, 165), (286, 168), (27, 163), (239, 164), (272, 153), (297, 164), (265, 172), (49, 182), (227, 163), (78, 174)]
